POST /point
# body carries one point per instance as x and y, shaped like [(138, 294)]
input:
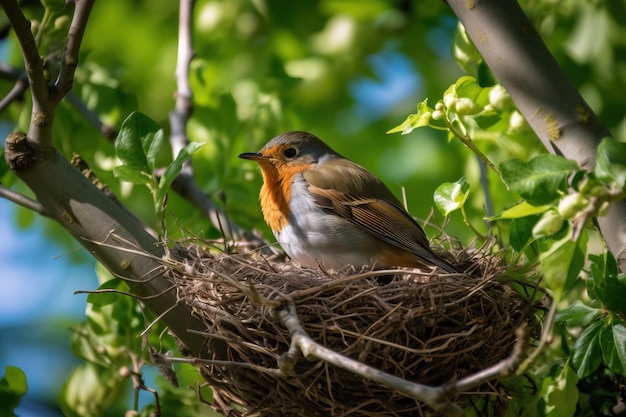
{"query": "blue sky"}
[(37, 307)]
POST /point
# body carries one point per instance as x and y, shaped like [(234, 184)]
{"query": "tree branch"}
[(69, 62), (108, 132), (32, 61), (185, 183), (22, 200), (111, 234), (16, 93), (436, 397), (544, 95)]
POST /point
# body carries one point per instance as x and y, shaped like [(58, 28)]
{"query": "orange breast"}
[(276, 193)]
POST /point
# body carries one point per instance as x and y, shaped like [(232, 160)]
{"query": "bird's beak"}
[(253, 156)]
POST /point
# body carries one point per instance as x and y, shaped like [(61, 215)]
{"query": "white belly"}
[(315, 237)]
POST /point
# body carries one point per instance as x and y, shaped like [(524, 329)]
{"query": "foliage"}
[(13, 386), (266, 67), (137, 146), (549, 225)]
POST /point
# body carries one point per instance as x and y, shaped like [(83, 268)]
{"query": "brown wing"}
[(375, 210)]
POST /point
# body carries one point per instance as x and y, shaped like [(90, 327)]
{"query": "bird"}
[(327, 211)]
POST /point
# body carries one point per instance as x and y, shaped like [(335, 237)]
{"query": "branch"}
[(77, 204), (32, 61), (185, 184), (436, 397), (544, 95), (69, 62), (17, 92), (22, 200), (107, 131)]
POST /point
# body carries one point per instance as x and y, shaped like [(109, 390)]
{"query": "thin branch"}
[(69, 62), (504, 368), (32, 61), (310, 349), (182, 111), (22, 200), (92, 118), (185, 183), (16, 93)]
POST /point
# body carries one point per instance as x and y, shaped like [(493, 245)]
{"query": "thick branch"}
[(547, 99), (110, 234)]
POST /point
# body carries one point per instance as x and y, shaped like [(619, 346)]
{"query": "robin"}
[(327, 211)]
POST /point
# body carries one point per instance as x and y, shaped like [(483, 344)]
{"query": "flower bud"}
[(499, 98), (550, 223), (450, 100), (571, 205), (467, 107)]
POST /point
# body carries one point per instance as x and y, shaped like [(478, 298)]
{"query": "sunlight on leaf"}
[(173, 170), (561, 262), (420, 119), (139, 142), (541, 180), (521, 209), (561, 394), (451, 196), (611, 161)]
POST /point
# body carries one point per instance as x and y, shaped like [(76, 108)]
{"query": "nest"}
[(419, 326)]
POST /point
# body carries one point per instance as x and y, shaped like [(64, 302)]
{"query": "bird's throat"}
[(274, 197)]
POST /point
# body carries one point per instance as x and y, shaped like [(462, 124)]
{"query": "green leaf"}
[(173, 170), (90, 390), (521, 209), (13, 386), (419, 119), (468, 87), (610, 356), (561, 262), (619, 337), (125, 173), (612, 293), (578, 314), (139, 142), (464, 51), (521, 231), (611, 161), (451, 196), (541, 180), (83, 347), (561, 394), (586, 352)]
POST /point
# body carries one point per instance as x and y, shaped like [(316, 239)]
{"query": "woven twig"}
[(423, 327)]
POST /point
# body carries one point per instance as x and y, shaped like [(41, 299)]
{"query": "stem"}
[(469, 224), (463, 136)]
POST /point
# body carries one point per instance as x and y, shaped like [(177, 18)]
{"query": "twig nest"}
[(419, 326)]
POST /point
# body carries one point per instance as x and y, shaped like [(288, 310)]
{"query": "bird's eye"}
[(290, 152)]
